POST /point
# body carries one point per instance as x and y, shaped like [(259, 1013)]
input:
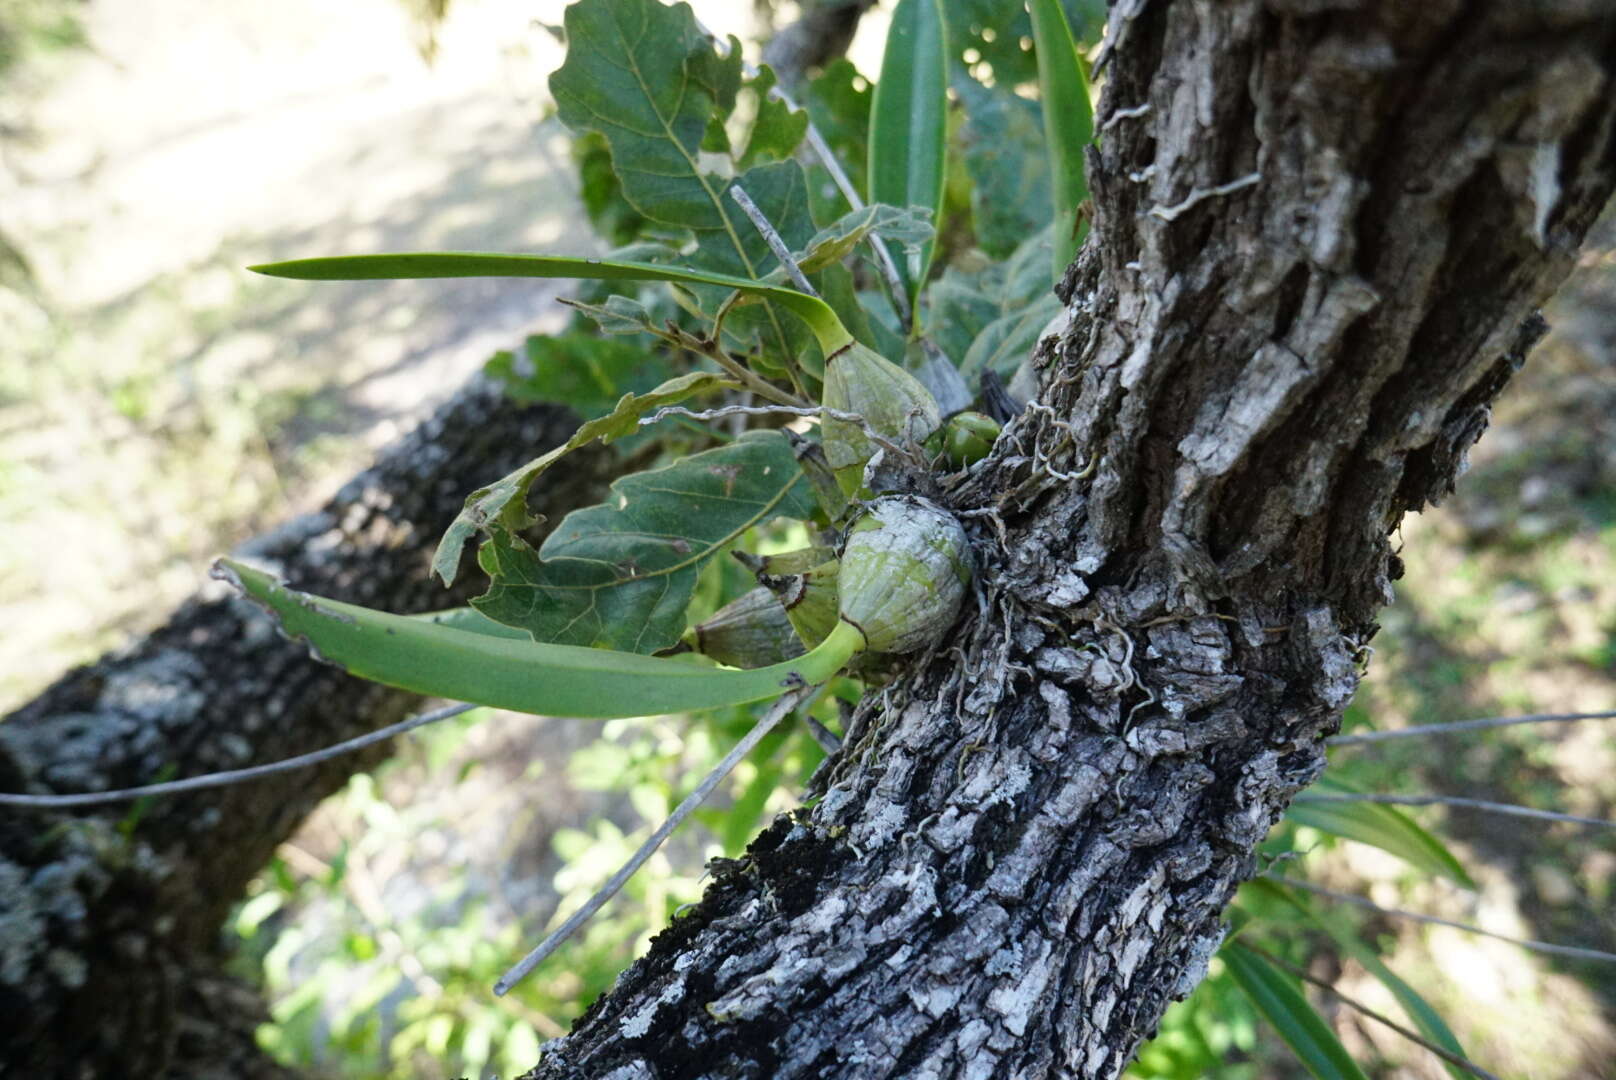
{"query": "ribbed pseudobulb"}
[(892, 401), (904, 571)]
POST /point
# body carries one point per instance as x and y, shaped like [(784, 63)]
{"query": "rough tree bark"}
[(1321, 231), (109, 943)]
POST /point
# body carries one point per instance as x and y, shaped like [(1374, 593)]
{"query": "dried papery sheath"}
[(809, 599), (787, 562), (905, 567), (811, 456), (893, 402), (748, 632)]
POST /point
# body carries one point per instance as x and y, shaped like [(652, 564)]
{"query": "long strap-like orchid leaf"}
[(1383, 827), (815, 312), (1068, 123), (1283, 1005), (909, 121), (559, 680)]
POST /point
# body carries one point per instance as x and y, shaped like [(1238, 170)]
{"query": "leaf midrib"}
[(714, 197)]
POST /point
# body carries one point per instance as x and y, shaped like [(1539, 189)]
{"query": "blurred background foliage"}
[(157, 405)]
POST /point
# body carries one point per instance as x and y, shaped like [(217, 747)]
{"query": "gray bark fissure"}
[(1315, 262), (109, 936)]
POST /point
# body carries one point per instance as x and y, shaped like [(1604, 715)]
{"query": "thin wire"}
[(1463, 725), (236, 776), (1412, 1036), (1455, 800), (777, 712), (1535, 946)]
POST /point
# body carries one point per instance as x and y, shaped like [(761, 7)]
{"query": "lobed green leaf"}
[(587, 373), (642, 74), (503, 504), (620, 575), (838, 102), (910, 227), (777, 129)]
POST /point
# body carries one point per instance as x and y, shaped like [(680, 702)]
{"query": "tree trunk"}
[(109, 935), (1321, 231)]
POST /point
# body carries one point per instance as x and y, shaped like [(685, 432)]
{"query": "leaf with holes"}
[(619, 575), (502, 505)]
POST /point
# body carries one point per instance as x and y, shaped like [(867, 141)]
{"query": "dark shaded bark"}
[(823, 33), (109, 937), (1321, 233)]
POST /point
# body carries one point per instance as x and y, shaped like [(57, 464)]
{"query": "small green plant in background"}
[(756, 279)]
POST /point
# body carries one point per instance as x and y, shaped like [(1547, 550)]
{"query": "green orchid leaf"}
[(1425, 1018), (503, 504), (587, 373), (959, 307), (620, 575), (1007, 341), (471, 621), (1284, 1006), (778, 128), (455, 264), (909, 121), (909, 227), (1026, 276), (1381, 826), (1063, 88), (415, 654), (963, 305), (1002, 144)]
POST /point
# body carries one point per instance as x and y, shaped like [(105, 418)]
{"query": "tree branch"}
[(111, 935)]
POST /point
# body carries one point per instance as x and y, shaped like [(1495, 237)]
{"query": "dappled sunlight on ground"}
[(170, 403)]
